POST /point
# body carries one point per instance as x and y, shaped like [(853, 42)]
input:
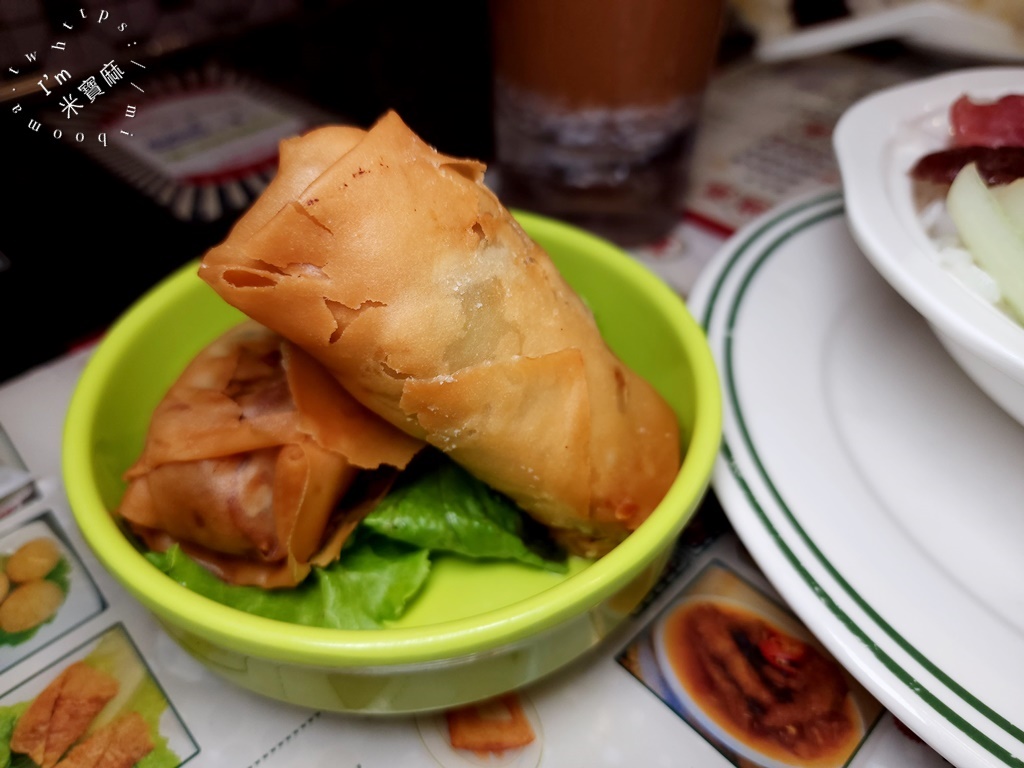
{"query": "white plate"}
[(876, 487), (877, 142), (932, 25)]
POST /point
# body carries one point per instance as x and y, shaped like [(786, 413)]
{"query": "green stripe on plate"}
[(809, 215)]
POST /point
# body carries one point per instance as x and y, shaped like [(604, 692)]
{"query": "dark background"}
[(79, 244)]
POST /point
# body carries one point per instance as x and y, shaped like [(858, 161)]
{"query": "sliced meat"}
[(998, 123), (996, 165)]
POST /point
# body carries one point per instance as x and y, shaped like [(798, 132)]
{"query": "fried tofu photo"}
[(490, 726), (62, 713), (120, 743)]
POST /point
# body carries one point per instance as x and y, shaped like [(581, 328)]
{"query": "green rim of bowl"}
[(267, 638)]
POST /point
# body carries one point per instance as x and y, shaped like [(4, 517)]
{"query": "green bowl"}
[(478, 630)]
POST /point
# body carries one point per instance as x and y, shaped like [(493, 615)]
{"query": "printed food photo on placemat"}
[(98, 706), (503, 732), (202, 143), (748, 676), (17, 486), (45, 592)]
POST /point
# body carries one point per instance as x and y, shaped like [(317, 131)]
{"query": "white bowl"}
[(877, 141)]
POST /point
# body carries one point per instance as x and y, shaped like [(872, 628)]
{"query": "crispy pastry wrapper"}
[(247, 457), (396, 268)]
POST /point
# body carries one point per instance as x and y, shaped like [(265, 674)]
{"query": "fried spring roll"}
[(247, 457), (396, 268)]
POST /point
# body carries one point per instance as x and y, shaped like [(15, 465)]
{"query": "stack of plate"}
[(875, 482)]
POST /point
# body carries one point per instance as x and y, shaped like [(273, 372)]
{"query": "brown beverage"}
[(595, 107)]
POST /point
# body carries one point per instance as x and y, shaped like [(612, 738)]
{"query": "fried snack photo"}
[(490, 727), (397, 269), (772, 689), (62, 713), (121, 743), (246, 459), (33, 587)]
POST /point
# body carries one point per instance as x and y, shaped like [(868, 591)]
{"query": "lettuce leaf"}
[(444, 508), (370, 584), (435, 507), (8, 719)]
